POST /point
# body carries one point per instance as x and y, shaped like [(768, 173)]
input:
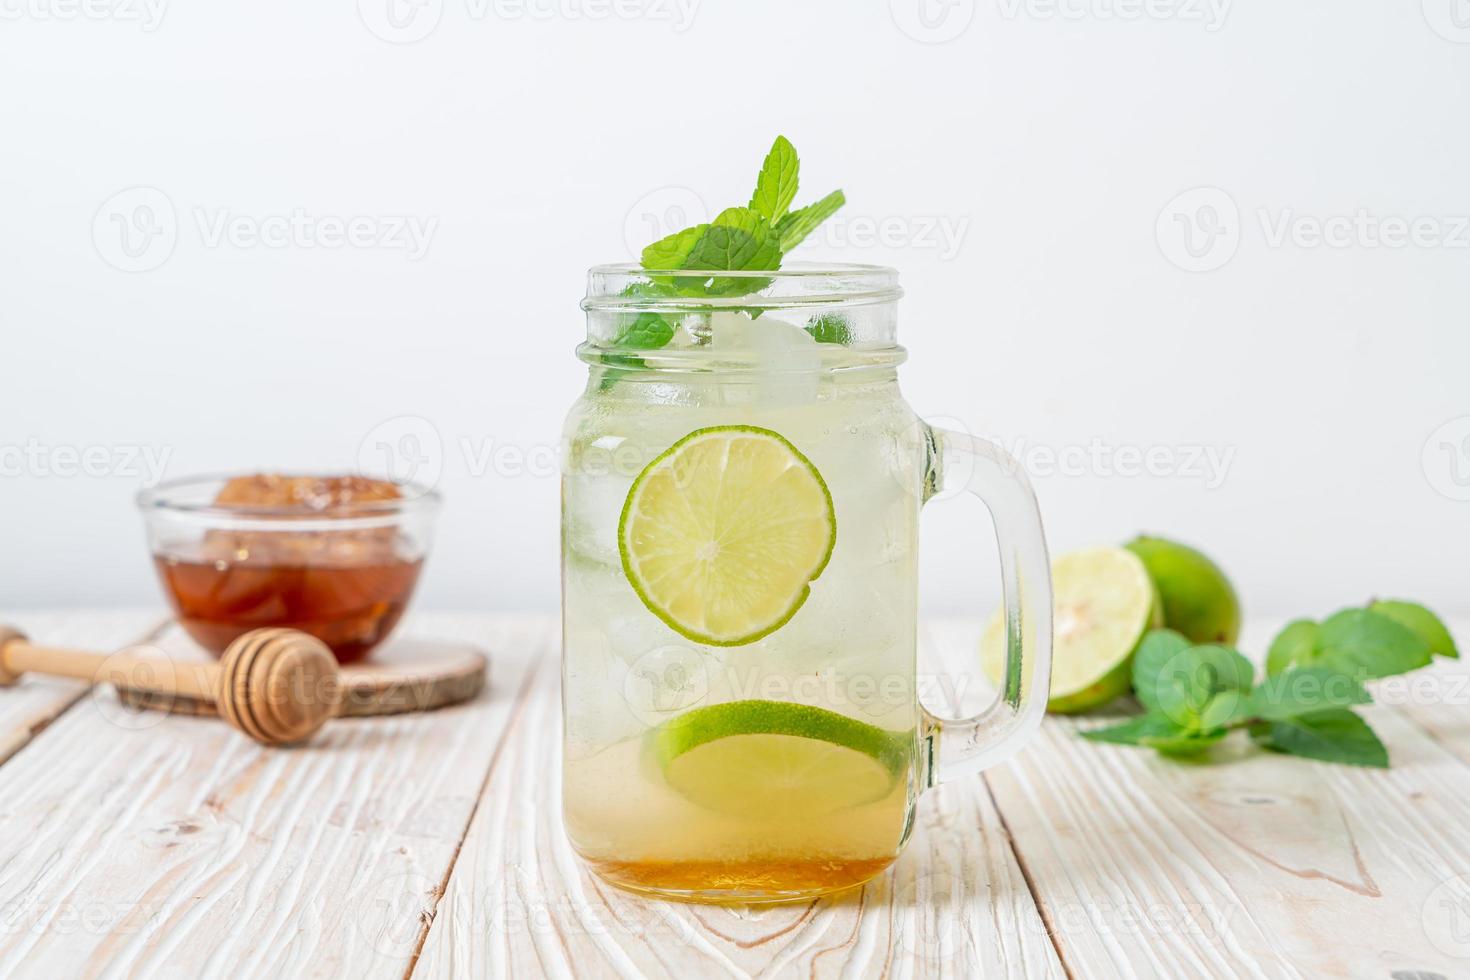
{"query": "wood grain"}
[(143, 844), (1256, 865), (34, 702), (406, 674), (519, 904), (140, 844)]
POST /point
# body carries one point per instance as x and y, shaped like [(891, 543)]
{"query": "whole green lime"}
[(1199, 600)]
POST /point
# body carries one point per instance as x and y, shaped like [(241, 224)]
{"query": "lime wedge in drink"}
[(722, 535), (767, 758), (1104, 604)]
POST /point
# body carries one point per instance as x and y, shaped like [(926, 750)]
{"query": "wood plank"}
[(141, 844), (34, 702), (520, 905), (1437, 698), (1256, 865)]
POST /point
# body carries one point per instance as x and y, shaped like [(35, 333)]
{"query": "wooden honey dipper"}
[(276, 685)]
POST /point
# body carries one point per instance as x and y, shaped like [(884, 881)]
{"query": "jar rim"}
[(794, 285)]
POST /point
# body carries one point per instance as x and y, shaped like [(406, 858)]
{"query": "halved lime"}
[(762, 758), (723, 534), (1104, 604)]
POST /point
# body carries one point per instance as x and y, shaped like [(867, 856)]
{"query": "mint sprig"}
[(752, 238), (794, 227), (1195, 695), (775, 188)]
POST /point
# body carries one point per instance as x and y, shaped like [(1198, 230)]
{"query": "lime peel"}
[(1105, 603), (723, 533), (746, 757)]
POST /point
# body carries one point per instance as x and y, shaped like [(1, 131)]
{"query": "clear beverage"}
[(760, 818), (741, 490)]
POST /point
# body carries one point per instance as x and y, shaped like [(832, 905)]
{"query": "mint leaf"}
[(1295, 644), (646, 331), (1304, 690), (671, 251), (1209, 677), (1333, 735), (1419, 621), (1152, 656), (1365, 644), (1224, 709), (1156, 731), (830, 328), (738, 238), (800, 223), (775, 188), (1186, 745)]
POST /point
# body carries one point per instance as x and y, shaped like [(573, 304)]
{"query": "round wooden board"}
[(403, 676)]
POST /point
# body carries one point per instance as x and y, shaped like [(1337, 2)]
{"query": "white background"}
[(1053, 141)]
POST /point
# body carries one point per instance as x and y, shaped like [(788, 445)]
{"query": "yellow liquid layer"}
[(746, 881), (638, 832)]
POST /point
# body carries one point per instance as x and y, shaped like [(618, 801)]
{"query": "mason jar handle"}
[(963, 747)]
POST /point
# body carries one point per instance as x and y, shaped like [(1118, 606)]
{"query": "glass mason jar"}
[(740, 708)]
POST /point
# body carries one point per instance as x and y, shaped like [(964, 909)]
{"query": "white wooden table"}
[(138, 844)]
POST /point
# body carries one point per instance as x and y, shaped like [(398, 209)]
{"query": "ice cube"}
[(768, 344)]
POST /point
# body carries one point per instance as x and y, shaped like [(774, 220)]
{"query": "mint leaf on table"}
[(1156, 731), (794, 227), (1333, 735), (1202, 687), (1303, 690), (1421, 622), (775, 188), (1153, 655), (1194, 696), (1295, 644), (1366, 645)]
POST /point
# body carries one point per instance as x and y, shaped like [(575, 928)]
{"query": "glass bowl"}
[(335, 556)]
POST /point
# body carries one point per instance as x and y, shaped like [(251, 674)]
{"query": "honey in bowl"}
[(346, 585)]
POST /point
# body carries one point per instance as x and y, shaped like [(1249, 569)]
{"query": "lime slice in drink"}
[(1104, 604), (722, 535), (766, 758)]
